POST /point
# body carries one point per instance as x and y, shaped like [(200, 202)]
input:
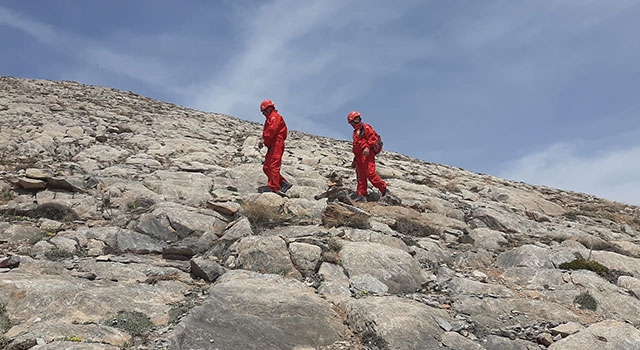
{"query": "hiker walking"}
[(364, 161), (274, 134)]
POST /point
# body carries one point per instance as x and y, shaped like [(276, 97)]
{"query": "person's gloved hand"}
[(260, 144)]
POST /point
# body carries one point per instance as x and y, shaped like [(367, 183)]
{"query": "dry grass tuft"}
[(414, 228), (263, 217)]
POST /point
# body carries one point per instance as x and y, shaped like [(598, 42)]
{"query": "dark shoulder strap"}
[(362, 133)]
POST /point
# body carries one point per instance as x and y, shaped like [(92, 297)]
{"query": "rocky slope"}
[(129, 223)]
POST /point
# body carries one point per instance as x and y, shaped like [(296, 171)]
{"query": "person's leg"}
[(373, 176), (266, 167), (275, 163), (361, 175)]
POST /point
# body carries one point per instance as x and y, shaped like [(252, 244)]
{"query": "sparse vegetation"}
[(189, 302), (422, 180), (6, 196), (140, 205), (156, 278), (177, 311), (263, 217), (602, 209), (57, 254), (586, 301), (37, 238), (413, 228), (5, 323), (134, 322), (452, 187), (582, 264), (337, 216), (4, 341), (335, 244), (372, 341), (332, 256), (76, 339), (53, 211), (356, 221), (18, 164)]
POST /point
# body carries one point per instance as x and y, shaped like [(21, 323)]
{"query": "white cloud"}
[(90, 53), (41, 31), (612, 174), (310, 57)]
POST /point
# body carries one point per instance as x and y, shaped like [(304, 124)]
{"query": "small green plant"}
[(57, 254), (582, 264), (413, 228), (76, 339), (176, 312), (362, 294), (134, 322), (373, 341), (6, 196), (5, 323), (37, 238), (586, 301)]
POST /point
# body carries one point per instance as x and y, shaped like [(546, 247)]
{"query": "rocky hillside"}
[(129, 223)]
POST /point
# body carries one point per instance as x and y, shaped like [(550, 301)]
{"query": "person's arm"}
[(269, 131), (371, 139)]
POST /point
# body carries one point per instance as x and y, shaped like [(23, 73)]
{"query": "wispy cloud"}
[(611, 174), (41, 31), (308, 56), (87, 52)]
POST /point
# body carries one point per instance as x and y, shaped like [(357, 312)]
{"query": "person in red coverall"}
[(273, 135), (363, 157)]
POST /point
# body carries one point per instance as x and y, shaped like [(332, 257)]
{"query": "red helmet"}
[(266, 104), (353, 115)]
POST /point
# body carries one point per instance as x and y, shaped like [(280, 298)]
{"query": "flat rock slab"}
[(248, 310)]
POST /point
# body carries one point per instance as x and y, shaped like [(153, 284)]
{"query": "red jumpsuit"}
[(273, 134), (363, 137)]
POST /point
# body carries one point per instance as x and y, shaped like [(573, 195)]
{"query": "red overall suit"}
[(363, 137), (273, 134)]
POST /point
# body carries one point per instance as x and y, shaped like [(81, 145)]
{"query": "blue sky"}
[(544, 92)]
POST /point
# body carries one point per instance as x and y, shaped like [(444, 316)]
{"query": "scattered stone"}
[(10, 262)]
